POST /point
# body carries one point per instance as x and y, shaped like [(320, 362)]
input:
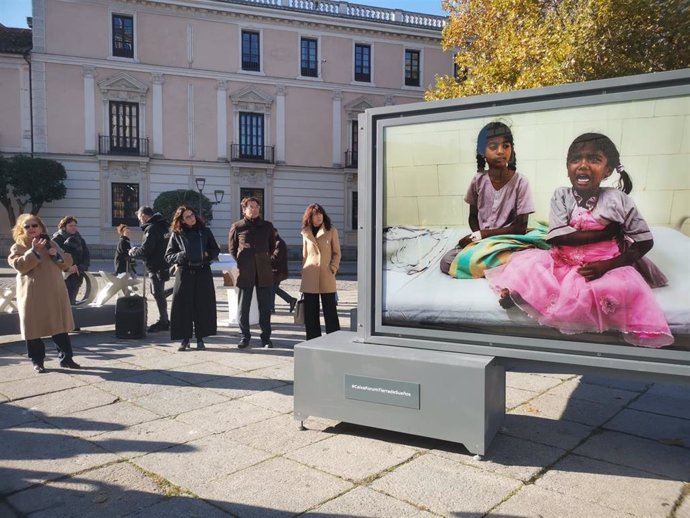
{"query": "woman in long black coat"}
[(191, 249)]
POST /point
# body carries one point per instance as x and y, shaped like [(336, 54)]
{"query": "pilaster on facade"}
[(40, 106), (38, 26), (222, 121), (157, 113), (336, 129), (281, 92), (89, 75), (25, 108)]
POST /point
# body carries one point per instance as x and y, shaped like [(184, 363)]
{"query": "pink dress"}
[(546, 285)]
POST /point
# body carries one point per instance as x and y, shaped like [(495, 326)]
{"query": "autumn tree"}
[(505, 45)]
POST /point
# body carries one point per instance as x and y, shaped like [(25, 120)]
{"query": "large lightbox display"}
[(420, 161)]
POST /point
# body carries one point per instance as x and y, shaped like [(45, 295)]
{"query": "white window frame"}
[(135, 42)]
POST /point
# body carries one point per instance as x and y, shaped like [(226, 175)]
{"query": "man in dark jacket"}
[(70, 240), (251, 242), (152, 250)]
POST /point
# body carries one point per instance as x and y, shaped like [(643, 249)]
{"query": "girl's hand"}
[(72, 269), (52, 252), (594, 270)]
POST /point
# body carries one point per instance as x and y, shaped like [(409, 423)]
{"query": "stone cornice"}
[(276, 14)]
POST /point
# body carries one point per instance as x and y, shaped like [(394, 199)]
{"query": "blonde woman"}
[(321, 260), (42, 300)]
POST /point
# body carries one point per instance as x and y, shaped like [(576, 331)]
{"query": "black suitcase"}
[(131, 315)]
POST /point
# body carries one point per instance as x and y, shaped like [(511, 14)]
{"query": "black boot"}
[(184, 345), (200, 344)]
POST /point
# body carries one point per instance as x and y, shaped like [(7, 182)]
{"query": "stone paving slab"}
[(130, 387), (227, 415), (363, 501), (102, 419), (578, 389), (572, 409), (446, 487), (533, 501), (33, 453), (187, 506), (177, 400), (276, 488), (531, 382), (617, 487), (211, 457), (68, 401), (35, 385), (668, 430), (115, 490), (663, 404), (526, 424), (511, 457), (151, 436), (643, 454), (353, 458), (516, 397)]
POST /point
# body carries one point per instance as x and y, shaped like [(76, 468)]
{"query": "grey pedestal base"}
[(443, 395)]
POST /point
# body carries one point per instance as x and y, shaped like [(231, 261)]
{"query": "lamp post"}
[(217, 194)]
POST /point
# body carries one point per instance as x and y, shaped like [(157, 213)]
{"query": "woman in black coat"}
[(190, 250), (123, 262), (70, 240)]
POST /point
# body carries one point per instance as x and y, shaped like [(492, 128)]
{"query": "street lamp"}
[(217, 194)]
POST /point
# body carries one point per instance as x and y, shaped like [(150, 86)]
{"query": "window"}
[(123, 36), (251, 135), (354, 211), (362, 62), (125, 201), (411, 67), (308, 53), (354, 144), (124, 127), (252, 192), (250, 51)]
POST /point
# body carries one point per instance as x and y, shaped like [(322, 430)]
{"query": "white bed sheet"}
[(431, 297)]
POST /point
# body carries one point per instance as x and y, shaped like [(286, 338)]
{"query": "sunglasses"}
[(32, 225)]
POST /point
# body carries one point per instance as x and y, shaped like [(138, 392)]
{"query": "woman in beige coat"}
[(42, 300), (321, 260)]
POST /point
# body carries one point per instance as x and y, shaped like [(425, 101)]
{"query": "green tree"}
[(505, 45), (28, 181), (167, 203)]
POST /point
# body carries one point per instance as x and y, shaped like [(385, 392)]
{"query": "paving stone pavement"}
[(146, 431)]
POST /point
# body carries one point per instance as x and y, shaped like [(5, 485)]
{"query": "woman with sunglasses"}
[(42, 300)]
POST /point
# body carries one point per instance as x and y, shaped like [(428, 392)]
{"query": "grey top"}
[(613, 205), (499, 208)]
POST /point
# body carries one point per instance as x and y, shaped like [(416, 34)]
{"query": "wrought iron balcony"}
[(351, 158), (251, 153), (109, 145)]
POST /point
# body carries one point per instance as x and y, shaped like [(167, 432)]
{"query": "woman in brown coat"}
[(321, 260), (42, 300)]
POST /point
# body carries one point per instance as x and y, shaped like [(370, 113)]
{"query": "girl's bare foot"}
[(506, 301)]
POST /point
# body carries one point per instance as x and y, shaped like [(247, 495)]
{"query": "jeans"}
[(311, 314), (157, 283), (264, 296), (36, 349)]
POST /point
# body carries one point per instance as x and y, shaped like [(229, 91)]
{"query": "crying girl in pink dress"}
[(587, 282)]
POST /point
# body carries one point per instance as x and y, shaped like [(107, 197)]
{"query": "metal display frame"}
[(450, 384)]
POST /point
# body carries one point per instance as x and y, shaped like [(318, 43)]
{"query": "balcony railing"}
[(108, 145), (350, 158), (251, 153)]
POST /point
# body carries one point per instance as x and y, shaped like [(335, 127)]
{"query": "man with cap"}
[(152, 250)]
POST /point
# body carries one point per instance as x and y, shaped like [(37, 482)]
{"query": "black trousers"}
[(36, 349), (157, 283), (311, 314), (264, 297), (73, 283)]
